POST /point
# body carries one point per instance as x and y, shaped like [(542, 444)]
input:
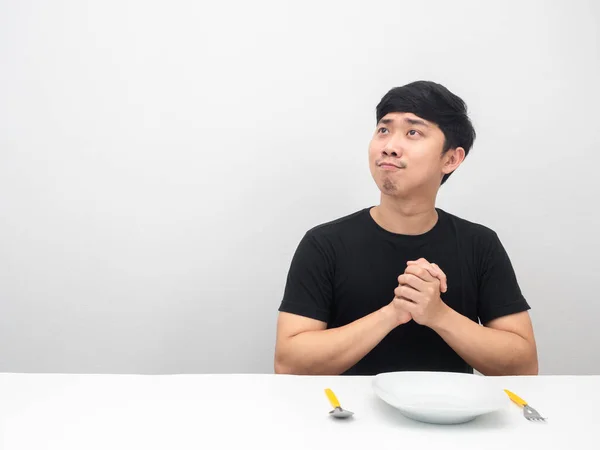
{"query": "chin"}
[(389, 187), (393, 188)]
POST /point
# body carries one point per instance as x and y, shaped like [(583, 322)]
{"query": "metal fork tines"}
[(531, 414)]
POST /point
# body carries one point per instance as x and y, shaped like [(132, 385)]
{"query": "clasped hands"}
[(417, 296)]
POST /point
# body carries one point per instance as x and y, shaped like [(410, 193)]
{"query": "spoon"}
[(337, 411)]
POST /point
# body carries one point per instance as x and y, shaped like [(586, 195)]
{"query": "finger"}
[(421, 272), (442, 277), (408, 293), (434, 270), (425, 265), (413, 281), (418, 261), (405, 305)]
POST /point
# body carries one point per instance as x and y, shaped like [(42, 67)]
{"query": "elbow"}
[(286, 365), (534, 371), (526, 363), (528, 369), (527, 366), (531, 367), (523, 370), (512, 370), (519, 366), (283, 367)]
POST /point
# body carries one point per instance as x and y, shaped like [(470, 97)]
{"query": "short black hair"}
[(434, 103)]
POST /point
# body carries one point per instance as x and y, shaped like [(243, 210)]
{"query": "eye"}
[(413, 133), (382, 130)]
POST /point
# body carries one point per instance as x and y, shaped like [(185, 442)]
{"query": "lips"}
[(388, 164)]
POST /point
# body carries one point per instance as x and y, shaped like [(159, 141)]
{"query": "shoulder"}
[(341, 226), (323, 242), (466, 227), (329, 238), (482, 239)]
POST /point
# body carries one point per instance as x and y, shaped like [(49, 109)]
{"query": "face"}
[(405, 155)]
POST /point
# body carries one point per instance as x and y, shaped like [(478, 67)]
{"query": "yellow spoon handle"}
[(332, 398), (515, 398)]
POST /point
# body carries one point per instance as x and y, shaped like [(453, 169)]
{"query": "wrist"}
[(388, 316), (441, 319)]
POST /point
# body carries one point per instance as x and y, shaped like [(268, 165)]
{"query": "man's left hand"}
[(434, 270), (419, 294)]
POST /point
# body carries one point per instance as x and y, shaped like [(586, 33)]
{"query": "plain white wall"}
[(159, 162)]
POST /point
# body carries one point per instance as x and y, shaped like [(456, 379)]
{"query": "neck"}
[(405, 216)]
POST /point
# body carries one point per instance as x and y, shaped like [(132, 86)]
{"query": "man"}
[(405, 285)]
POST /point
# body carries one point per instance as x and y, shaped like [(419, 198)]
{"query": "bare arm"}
[(505, 346), (305, 347)]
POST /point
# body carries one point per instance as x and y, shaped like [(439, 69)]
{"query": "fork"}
[(528, 412)]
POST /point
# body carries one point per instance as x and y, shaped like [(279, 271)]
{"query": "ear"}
[(452, 159)]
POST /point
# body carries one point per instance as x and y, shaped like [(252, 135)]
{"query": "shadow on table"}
[(393, 417)]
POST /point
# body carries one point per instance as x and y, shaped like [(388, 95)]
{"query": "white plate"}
[(439, 397)]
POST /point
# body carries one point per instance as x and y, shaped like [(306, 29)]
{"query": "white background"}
[(160, 161)]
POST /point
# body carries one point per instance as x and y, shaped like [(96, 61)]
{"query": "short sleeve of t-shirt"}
[(309, 285), (499, 291)]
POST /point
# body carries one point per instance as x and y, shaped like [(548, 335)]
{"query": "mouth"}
[(389, 166)]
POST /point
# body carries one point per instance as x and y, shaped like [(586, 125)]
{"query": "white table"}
[(82, 412)]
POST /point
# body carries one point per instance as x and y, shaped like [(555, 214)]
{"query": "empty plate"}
[(439, 397)]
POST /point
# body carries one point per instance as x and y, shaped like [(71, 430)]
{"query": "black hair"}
[(434, 103)]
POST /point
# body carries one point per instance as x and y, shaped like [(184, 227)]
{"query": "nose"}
[(392, 149)]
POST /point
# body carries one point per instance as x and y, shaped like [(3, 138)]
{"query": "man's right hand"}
[(401, 315)]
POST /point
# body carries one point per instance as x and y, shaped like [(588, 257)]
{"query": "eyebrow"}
[(406, 120)]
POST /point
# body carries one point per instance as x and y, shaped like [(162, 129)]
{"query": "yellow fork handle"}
[(515, 398), (332, 398)]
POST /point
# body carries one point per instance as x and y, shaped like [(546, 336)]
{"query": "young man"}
[(405, 285)]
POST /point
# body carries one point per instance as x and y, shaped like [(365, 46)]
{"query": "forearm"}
[(335, 350), (487, 350)]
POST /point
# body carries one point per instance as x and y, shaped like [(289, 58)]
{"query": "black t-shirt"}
[(348, 268)]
